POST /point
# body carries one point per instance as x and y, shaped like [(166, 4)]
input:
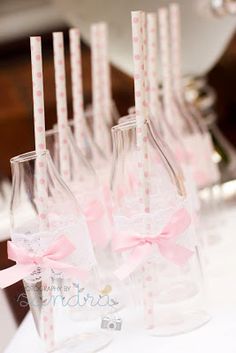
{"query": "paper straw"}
[(148, 267), (139, 81), (139, 35), (152, 64), (144, 45), (41, 182), (38, 94), (97, 108), (170, 110), (176, 71), (77, 88), (101, 133), (106, 74), (61, 102), (165, 63), (174, 12)]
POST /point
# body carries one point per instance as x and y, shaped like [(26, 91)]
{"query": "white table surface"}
[(216, 336)]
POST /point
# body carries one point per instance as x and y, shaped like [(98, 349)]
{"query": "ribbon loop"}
[(141, 245), (49, 259)]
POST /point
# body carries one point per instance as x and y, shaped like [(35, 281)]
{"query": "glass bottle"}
[(97, 159), (45, 214), (175, 152), (171, 295), (84, 184)]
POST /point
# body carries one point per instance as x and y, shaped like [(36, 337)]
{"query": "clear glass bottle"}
[(84, 184), (97, 159), (198, 143), (90, 150), (43, 211), (171, 296), (176, 153)]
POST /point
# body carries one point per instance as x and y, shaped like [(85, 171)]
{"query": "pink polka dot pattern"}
[(140, 84), (152, 64), (165, 63), (177, 87), (174, 12), (61, 101), (77, 87), (39, 119), (141, 89), (101, 86), (105, 68)]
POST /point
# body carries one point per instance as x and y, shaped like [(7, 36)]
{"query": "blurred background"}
[(213, 90)]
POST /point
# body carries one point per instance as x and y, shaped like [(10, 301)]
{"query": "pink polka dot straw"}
[(140, 81), (41, 182), (175, 55), (174, 13), (77, 88), (105, 68), (165, 63), (39, 123), (99, 89), (152, 64), (61, 102)]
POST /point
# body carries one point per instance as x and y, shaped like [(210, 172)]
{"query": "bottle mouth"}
[(125, 123), (52, 131), (28, 156), (130, 118)]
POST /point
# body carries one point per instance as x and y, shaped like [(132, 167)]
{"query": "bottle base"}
[(89, 342), (171, 325)]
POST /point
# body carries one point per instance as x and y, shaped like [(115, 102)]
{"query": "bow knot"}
[(141, 246), (49, 259), (37, 260), (147, 240)]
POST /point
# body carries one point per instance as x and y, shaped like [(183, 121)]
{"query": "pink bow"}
[(142, 246), (27, 262), (94, 214)]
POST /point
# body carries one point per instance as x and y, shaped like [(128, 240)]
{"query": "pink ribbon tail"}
[(141, 246), (135, 259), (27, 262), (175, 253)]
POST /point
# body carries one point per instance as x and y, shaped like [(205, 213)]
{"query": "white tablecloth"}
[(216, 336)]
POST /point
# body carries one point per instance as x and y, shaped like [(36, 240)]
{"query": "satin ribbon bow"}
[(141, 246), (27, 262)]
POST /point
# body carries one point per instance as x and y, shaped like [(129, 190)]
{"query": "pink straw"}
[(165, 62), (101, 133), (41, 182), (106, 74), (77, 88), (171, 112), (139, 52), (97, 98), (38, 94), (174, 12), (175, 36), (152, 64), (62, 114), (39, 126)]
